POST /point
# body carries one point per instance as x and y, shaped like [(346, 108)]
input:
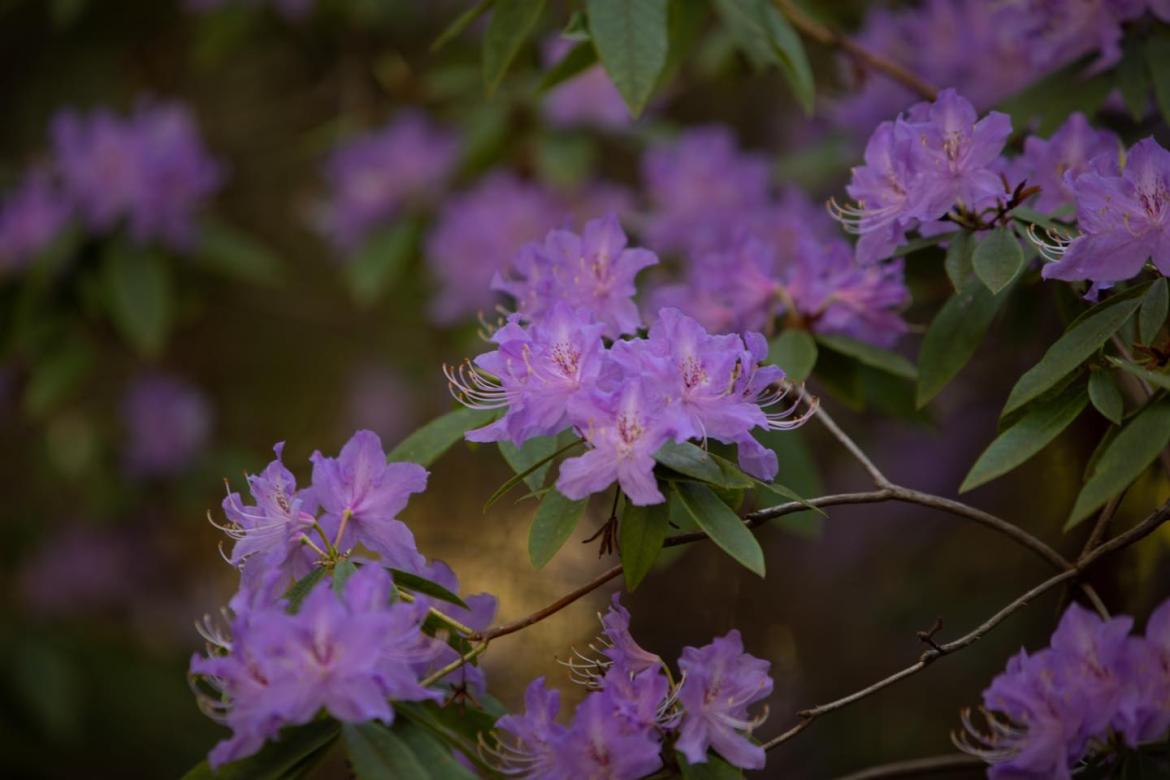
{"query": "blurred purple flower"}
[(31, 216), (1053, 164), (374, 177), (588, 99), (82, 571), (168, 423), (378, 398)]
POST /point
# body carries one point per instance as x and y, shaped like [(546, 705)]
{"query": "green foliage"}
[(959, 263), (532, 459), (724, 526), (429, 442), (461, 23), (381, 260), (556, 519), (57, 376), (1152, 314), (692, 461), (954, 335), (1158, 60), (1155, 378), (768, 39), (1133, 81), (457, 725), (295, 749), (412, 582), (139, 296), (342, 571), (640, 536), (511, 24), (579, 59), (998, 259), (714, 768), (632, 43), (534, 467), (302, 587), (1106, 397), (795, 351), (225, 250), (869, 355), (405, 751)]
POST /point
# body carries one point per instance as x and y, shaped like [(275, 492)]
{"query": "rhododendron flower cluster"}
[(31, 216), (1095, 683), (1052, 164), (634, 706), (552, 370)]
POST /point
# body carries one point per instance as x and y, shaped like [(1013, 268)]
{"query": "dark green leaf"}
[(579, 59), (139, 296), (413, 582), (555, 520), (798, 471), (782, 494), (640, 536), (714, 768), (958, 262), (511, 24), (795, 351), (1106, 397), (431, 753), (1158, 59), (998, 258), (461, 23), (954, 335), (1052, 98), (377, 753), (690, 460), (380, 261), (536, 466), (1033, 217), (425, 445), (875, 357), (457, 725), (1076, 346), (341, 574), (724, 527), (57, 376), (924, 242), (230, 252), (685, 22), (1133, 81), (1133, 449), (524, 458), (733, 476), (840, 377), (276, 760), (1152, 314), (1155, 378), (1032, 433), (632, 43), (768, 39), (301, 588)]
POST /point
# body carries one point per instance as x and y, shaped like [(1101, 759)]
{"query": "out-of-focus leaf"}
[(377, 753), (875, 357), (1129, 454), (1033, 217), (767, 38), (302, 587), (278, 759), (958, 261), (341, 574), (380, 261), (1106, 397), (998, 258), (632, 43), (456, 725), (1152, 314), (425, 445), (57, 376), (461, 23), (954, 335), (510, 26), (524, 459), (1032, 433), (684, 25), (579, 59), (690, 460), (1158, 59), (1076, 346), (724, 526), (640, 536), (431, 753), (923, 242), (139, 296), (532, 469), (413, 582), (555, 520), (1051, 99), (841, 377), (1133, 81), (795, 351), (1155, 378), (228, 251), (714, 768), (733, 476)]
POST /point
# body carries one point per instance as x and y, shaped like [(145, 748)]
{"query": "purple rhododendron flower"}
[(1053, 164), (361, 495), (31, 216), (374, 177), (598, 744), (350, 655), (622, 651), (1124, 216), (1143, 711), (150, 169), (721, 682), (588, 99), (168, 423)]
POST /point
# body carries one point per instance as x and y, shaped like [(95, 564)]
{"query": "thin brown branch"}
[(1133, 535), (879, 479), (827, 36), (916, 767), (551, 609)]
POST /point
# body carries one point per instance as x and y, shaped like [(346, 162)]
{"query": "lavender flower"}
[(620, 648), (31, 217), (374, 177), (600, 745), (1053, 164), (150, 169), (1143, 710), (721, 682), (588, 99), (168, 423), (1124, 216), (361, 495)]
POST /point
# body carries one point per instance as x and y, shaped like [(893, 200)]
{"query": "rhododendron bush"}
[(649, 346)]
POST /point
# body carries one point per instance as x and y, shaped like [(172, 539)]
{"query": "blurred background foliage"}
[(280, 339)]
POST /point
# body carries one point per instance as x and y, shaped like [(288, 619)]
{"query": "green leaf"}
[(1028, 436), (458, 726), (714, 768), (377, 753), (413, 582), (511, 24), (1155, 378), (580, 58), (556, 519), (958, 261), (461, 23), (301, 588), (57, 376), (768, 39), (733, 476), (998, 258), (690, 460), (425, 445), (782, 494), (954, 335), (517, 478), (380, 261), (1129, 454), (233, 253), (1133, 81), (276, 760), (795, 351), (924, 242), (1158, 59), (875, 357), (524, 459), (1077, 345), (640, 535), (342, 571), (632, 43), (1152, 314), (139, 296), (431, 753), (1033, 217), (1106, 397), (724, 527)]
